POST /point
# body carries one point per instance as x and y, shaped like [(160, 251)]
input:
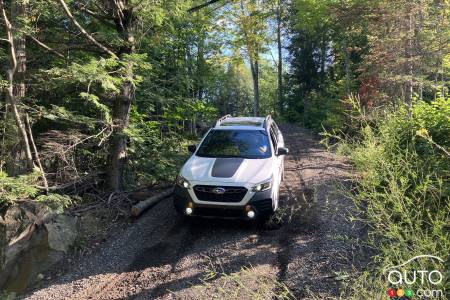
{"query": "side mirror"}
[(192, 148), (282, 151)]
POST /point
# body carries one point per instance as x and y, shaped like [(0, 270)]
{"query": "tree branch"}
[(48, 48), (83, 31), (196, 8), (105, 19)]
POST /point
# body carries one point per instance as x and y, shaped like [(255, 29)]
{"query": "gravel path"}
[(160, 256)]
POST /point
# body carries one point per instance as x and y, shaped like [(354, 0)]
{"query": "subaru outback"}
[(235, 171)]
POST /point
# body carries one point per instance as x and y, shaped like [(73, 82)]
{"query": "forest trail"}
[(163, 257)]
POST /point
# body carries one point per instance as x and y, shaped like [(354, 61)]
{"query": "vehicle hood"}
[(227, 169)]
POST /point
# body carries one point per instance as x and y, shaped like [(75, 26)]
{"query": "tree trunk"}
[(200, 67), (280, 61), (347, 68), (118, 147), (10, 94), (36, 153), (253, 54), (18, 13), (323, 57), (255, 76), (122, 106)]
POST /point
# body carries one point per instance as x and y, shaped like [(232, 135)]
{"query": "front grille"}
[(231, 194)]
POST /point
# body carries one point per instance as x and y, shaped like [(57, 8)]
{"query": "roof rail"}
[(266, 121), (222, 119)]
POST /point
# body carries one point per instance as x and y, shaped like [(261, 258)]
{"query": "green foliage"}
[(24, 187), (403, 189), (16, 188), (268, 89), (95, 101), (155, 155), (320, 109), (55, 202), (99, 71), (59, 113)]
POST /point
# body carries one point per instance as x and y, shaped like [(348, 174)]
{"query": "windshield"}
[(235, 143)]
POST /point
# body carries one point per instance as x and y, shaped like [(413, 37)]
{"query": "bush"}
[(15, 188), (55, 202), (403, 191)]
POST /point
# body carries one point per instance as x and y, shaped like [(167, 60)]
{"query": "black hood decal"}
[(226, 167)]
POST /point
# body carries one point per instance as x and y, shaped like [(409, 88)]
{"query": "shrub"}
[(403, 191), (15, 188)]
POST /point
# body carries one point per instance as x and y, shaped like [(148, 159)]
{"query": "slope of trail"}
[(160, 256)]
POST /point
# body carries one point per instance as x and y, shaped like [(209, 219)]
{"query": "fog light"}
[(188, 210), (251, 214)]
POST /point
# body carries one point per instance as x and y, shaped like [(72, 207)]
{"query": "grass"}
[(403, 193), (248, 283)]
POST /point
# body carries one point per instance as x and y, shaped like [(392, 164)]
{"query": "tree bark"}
[(323, 57), (122, 104), (198, 7), (255, 76), (10, 95), (18, 13), (200, 67), (140, 207), (347, 68), (118, 146)]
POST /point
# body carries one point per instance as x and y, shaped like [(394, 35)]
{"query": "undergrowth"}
[(24, 187), (402, 192)]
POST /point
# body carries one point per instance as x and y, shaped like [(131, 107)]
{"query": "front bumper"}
[(260, 203)]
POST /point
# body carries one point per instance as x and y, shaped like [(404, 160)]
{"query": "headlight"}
[(183, 182), (263, 186)]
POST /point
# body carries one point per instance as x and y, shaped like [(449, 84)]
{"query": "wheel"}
[(262, 221), (179, 208)]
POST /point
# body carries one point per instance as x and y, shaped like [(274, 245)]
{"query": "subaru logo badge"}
[(218, 191)]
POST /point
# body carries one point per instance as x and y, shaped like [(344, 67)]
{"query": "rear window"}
[(235, 143)]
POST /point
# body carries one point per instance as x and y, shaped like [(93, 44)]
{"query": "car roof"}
[(249, 123)]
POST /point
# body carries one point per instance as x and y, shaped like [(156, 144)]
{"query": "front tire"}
[(179, 208), (261, 221)]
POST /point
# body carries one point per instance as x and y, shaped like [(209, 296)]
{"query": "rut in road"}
[(163, 257)]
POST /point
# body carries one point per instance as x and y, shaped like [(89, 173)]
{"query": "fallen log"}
[(137, 209)]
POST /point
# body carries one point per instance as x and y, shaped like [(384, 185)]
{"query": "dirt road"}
[(163, 257)]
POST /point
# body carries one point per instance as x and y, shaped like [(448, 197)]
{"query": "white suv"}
[(235, 172)]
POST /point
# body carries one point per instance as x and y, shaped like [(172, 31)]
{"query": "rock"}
[(31, 240), (62, 232), (40, 276)]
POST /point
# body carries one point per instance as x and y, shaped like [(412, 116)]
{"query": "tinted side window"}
[(275, 127), (273, 137)]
